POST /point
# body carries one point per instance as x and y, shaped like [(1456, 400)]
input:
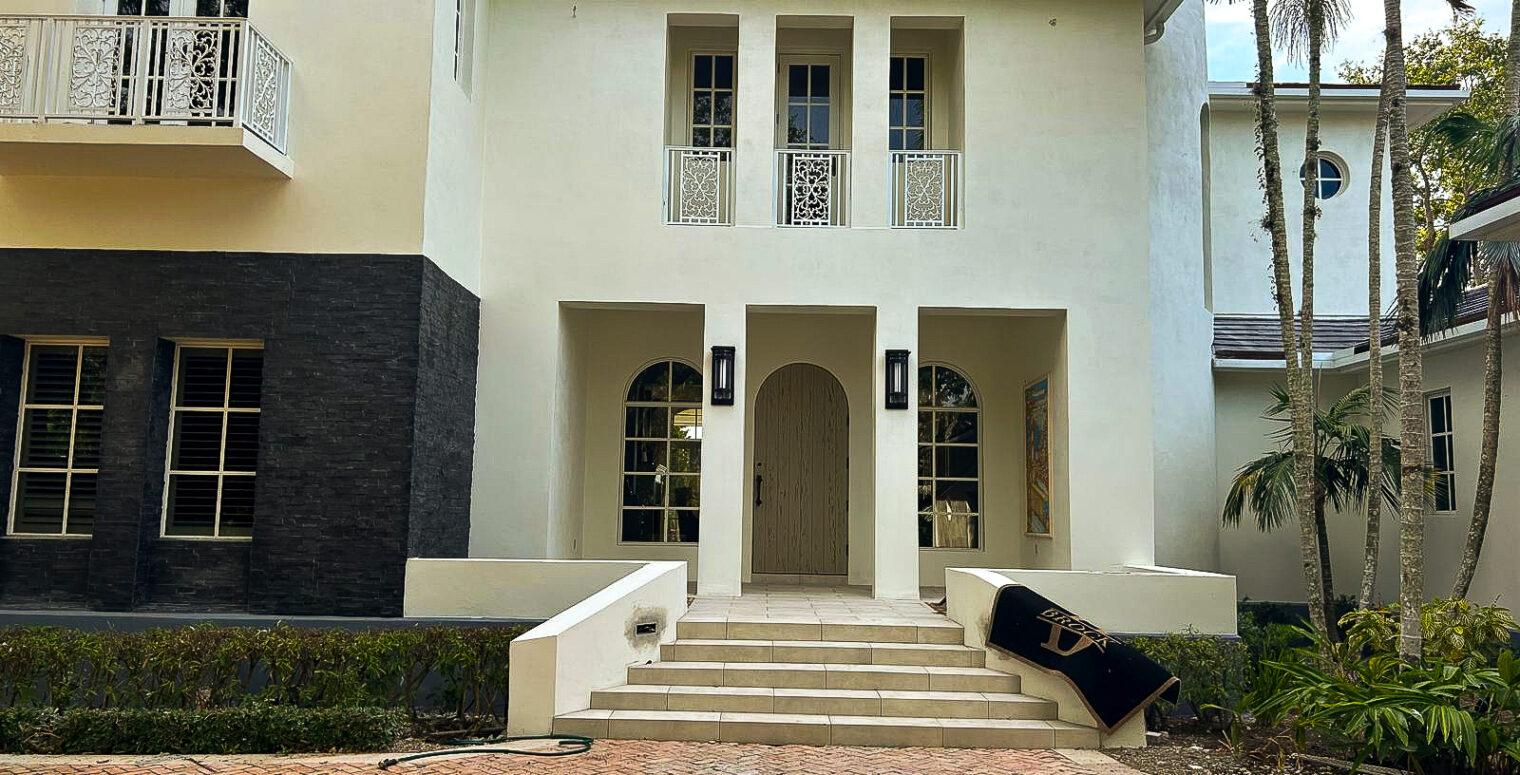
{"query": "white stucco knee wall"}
[(505, 589), (1139, 599)]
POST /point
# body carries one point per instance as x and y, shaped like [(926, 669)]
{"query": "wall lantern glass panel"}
[(897, 379), (723, 375)]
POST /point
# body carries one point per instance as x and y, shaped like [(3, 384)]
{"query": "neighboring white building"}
[(961, 261)]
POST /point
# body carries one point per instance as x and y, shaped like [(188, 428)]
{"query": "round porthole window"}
[(1332, 176)]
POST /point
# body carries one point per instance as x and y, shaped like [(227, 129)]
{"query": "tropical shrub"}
[(251, 729), (1213, 674), (206, 667)]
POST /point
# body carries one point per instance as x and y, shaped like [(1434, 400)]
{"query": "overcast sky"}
[(1232, 49)]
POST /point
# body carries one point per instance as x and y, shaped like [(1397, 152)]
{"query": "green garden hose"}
[(569, 746)]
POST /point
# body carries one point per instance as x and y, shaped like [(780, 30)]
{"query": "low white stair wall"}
[(603, 616), (1125, 600)]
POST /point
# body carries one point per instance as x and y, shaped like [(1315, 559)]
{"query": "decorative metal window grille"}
[(213, 442), (810, 187), (662, 455), (58, 447), (1443, 451), (949, 460)]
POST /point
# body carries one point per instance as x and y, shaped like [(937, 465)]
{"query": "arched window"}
[(949, 460), (662, 455)]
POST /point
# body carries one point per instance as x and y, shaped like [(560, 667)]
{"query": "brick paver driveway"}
[(611, 756)]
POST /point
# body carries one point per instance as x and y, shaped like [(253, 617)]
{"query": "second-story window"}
[(909, 106), (1443, 451), (809, 85), (712, 100)]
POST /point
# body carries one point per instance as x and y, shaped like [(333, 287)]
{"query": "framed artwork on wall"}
[(1037, 457)]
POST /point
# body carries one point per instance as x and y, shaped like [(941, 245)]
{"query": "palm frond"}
[(1265, 486), (1444, 279), (1290, 24), (1502, 261)]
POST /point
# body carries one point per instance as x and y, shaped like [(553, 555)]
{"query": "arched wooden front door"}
[(802, 472)]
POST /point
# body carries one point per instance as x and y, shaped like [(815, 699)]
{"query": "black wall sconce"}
[(722, 375), (897, 379)]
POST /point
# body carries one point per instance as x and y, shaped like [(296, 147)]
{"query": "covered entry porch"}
[(809, 467)]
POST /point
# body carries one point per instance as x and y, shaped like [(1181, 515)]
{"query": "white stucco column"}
[(756, 141), (868, 133), (720, 543), (896, 448)]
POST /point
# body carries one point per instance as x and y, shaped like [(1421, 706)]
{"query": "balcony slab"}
[(138, 150)]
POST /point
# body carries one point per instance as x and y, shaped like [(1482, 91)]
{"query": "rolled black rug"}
[(1114, 679)]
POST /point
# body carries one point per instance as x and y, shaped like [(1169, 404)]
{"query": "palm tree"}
[(1374, 532), (1342, 468), (1451, 266)]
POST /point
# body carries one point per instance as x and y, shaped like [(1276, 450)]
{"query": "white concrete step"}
[(822, 652), (907, 630), (819, 729), (813, 675), (851, 702)]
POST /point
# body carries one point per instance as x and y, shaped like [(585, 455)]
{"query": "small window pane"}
[(952, 390), (686, 456), (686, 424), (896, 109), (956, 462), (797, 80), (247, 378), (723, 138), (915, 80), (641, 490), (1437, 415), (957, 497), (926, 459), (723, 72), (956, 427), (39, 502), (644, 456), (796, 124), (925, 385), (702, 72), (685, 491), (242, 442), (686, 523), (926, 530), (913, 140), (202, 377), (701, 112), (45, 438), (1441, 461), (652, 384), (723, 108), (50, 375), (925, 427), (642, 525), (915, 112), (701, 137), (820, 81), (82, 504), (197, 441), (192, 505), (895, 79), (87, 438), (818, 128), (647, 422), (925, 495), (92, 376), (237, 506)]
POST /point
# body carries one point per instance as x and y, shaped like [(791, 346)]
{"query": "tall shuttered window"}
[(58, 454), (213, 442), (662, 455), (1443, 451)]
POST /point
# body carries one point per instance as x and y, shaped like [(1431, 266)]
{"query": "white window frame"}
[(927, 92), (1342, 176), (224, 409), (78, 343), (691, 97), (464, 44), (980, 513), (622, 453), (1447, 437)]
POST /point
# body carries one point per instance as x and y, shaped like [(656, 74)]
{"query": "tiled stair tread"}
[(864, 702), (820, 651), (822, 644), (820, 729), (809, 666)]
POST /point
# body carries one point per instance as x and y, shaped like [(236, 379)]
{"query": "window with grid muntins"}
[(909, 103), (949, 460), (1443, 451), (58, 449), (712, 100), (213, 442), (662, 455)]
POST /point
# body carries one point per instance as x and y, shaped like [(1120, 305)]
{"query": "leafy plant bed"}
[(253, 729), (1191, 749)]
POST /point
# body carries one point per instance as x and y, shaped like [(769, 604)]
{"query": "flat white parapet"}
[(1138, 599), (505, 589), (591, 644)]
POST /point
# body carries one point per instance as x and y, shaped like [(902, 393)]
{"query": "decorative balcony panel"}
[(133, 70), (699, 186), (812, 187), (926, 189)]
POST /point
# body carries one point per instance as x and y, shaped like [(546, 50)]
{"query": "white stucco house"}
[(839, 292)]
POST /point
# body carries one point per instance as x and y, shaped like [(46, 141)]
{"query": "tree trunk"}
[(1411, 393), (1493, 352), (1312, 506), (1493, 375), (1282, 284), (1375, 361)]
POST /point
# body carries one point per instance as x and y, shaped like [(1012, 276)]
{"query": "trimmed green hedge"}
[(453, 669), (252, 729), (1215, 672)]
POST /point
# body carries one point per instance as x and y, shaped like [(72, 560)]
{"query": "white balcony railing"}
[(158, 70), (699, 186), (812, 187), (926, 189)]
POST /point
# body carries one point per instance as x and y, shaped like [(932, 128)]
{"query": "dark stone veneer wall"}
[(365, 442)]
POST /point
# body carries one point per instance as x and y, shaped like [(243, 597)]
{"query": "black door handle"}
[(758, 480)]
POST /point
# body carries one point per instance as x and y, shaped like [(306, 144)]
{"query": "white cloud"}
[(1232, 46)]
